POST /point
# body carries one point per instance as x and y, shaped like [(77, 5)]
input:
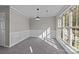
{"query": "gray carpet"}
[(34, 45)]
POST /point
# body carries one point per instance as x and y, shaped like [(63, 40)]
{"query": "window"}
[(65, 35), (69, 33), (61, 33), (75, 38), (75, 16), (48, 30), (59, 22), (65, 31), (60, 27), (46, 34), (66, 20), (75, 28)]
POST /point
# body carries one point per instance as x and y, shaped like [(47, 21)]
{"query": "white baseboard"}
[(17, 37)]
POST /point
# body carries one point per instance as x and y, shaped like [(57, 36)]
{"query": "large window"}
[(70, 30), (75, 27)]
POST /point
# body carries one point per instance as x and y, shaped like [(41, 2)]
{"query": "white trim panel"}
[(17, 37)]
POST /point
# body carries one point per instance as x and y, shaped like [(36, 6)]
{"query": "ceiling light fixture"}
[(37, 17)]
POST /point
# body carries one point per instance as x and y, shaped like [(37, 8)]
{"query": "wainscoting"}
[(17, 37)]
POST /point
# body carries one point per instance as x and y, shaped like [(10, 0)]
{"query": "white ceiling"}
[(30, 10)]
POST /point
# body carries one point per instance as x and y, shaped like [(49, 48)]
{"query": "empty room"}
[(39, 29)]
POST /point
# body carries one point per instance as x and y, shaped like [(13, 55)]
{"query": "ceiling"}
[(44, 10)]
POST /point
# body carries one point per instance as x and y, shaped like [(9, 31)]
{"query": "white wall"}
[(19, 27), (38, 27)]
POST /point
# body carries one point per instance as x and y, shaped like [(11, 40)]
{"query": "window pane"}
[(61, 33), (74, 17), (44, 34), (77, 38), (65, 35), (73, 37), (77, 15), (63, 21), (59, 23), (48, 31), (66, 20)]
